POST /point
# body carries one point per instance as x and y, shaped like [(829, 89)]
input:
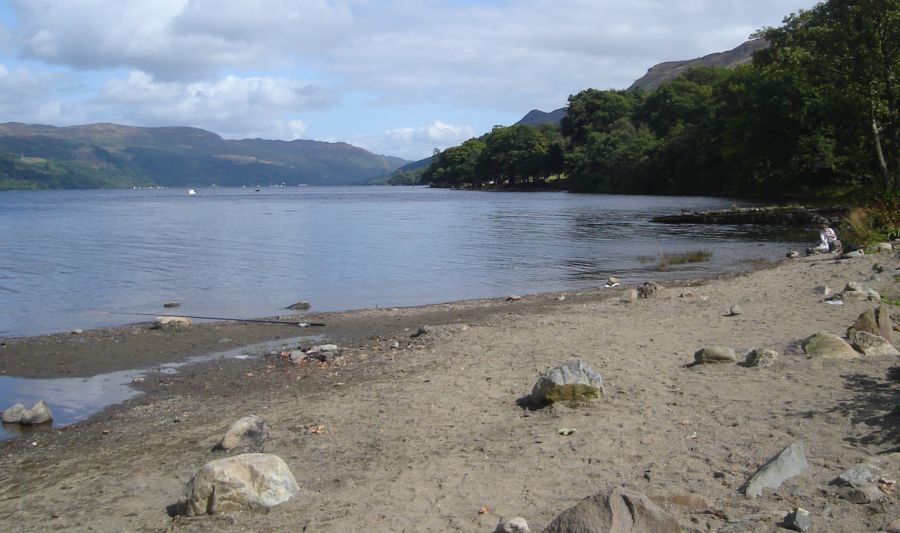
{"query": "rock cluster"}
[(18, 414)]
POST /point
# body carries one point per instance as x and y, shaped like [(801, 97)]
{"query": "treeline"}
[(816, 112)]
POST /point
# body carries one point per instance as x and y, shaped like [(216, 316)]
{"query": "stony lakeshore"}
[(421, 419)]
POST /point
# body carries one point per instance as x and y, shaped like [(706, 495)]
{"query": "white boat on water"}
[(192, 191)]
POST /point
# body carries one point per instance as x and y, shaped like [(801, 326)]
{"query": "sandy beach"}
[(426, 433)]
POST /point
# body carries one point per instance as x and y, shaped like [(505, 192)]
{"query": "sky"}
[(396, 77)]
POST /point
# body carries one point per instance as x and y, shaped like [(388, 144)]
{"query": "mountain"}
[(536, 117), (663, 72), (113, 155)]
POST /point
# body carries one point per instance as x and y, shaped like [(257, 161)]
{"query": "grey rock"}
[(612, 281), (853, 254), (823, 290), (298, 356), (516, 524), (38, 414), (513, 298), (299, 306), (77, 331), (14, 414), (793, 254), (250, 430), (787, 464), (828, 346), (735, 310), (715, 354), (248, 481), (653, 290), (875, 321), (619, 511), (884, 247), (423, 330), (573, 381), (761, 357), (872, 345), (857, 476), (868, 493), (798, 520), (171, 322)]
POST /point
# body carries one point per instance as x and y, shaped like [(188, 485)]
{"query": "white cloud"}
[(231, 106), (415, 143)]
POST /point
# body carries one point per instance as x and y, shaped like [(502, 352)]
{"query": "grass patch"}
[(666, 260)]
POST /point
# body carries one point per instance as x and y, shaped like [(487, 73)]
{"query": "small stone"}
[(857, 476), (298, 356), (14, 414), (761, 357), (171, 322), (395, 345), (250, 430), (864, 494), (798, 520), (793, 254), (512, 525), (884, 247), (299, 306), (513, 298), (573, 382), (169, 305), (735, 310), (789, 462), (77, 331), (853, 254), (651, 290), (715, 354), (423, 330)]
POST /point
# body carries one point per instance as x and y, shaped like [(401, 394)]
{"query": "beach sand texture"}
[(430, 436)]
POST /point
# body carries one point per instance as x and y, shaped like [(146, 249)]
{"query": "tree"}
[(852, 49)]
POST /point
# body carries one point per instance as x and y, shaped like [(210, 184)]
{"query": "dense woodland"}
[(815, 113)]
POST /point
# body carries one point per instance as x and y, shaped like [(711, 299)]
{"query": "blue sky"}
[(395, 77)]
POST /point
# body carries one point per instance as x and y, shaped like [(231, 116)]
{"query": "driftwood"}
[(772, 216)]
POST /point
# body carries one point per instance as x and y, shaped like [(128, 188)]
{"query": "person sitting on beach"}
[(828, 241)]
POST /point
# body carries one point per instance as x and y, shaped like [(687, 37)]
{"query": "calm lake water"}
[(68, 258)]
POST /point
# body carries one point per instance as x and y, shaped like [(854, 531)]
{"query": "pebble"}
[(798, 520), (735, 310)]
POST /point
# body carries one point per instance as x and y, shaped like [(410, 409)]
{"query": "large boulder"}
[(251, 481), (14, 414), (875, 321), (619, 511), (250, 430), (828, 346), (872, 345), (572, 382), (788, 463), (38, 414)]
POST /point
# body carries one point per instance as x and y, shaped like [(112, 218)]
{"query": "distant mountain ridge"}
[(114, 155), (663, 72)]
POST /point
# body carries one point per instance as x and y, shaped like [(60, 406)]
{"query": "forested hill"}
[(112, 155), (815, 113)]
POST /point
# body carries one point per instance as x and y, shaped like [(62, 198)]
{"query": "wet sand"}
[(424, 436)]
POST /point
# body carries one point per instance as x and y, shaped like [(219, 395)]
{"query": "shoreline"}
[(422, 432)]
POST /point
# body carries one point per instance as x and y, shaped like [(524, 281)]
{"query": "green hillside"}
[(112, 155)]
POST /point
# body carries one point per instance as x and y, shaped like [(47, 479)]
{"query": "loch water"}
[(83, 259)]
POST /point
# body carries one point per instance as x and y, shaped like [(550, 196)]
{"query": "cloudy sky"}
[(398, 77)]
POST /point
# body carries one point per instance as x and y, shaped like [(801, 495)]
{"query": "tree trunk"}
[(882, 164)]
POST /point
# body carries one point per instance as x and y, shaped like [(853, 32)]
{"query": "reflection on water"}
[(74, 399), (243, 254)]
